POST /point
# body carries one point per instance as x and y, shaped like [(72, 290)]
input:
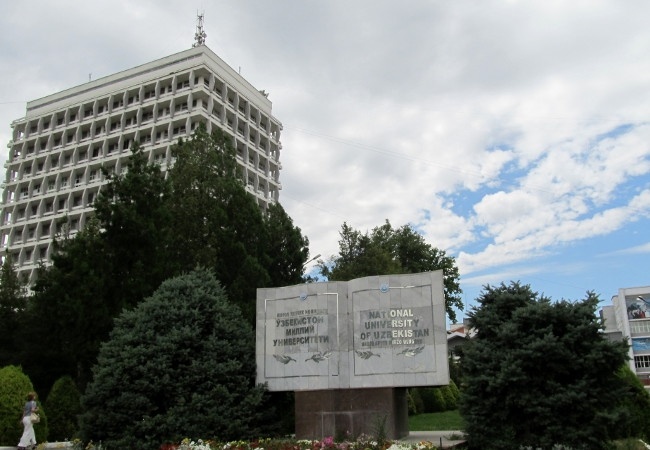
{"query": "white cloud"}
[(493, 127)]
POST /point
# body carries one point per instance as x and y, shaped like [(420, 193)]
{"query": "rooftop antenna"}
[(200, 35)]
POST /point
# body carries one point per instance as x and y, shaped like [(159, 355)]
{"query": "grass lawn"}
[(447, 420)]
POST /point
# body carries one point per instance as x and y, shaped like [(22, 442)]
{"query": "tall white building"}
[(58, 148), (628, 317)]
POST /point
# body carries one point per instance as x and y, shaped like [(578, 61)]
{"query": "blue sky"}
[(515, 135)]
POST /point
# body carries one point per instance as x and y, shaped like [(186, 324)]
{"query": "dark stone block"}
[(351, 412)]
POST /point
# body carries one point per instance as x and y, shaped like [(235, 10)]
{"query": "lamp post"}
[(313, 259)]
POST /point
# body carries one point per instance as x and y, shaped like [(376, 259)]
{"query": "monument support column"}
[(348, 413)]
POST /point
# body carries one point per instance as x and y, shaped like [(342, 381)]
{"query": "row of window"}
[(642, 361), (97, 108), (641, 327)]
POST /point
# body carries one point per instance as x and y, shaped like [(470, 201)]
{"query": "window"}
[(61, 204), (49, 208), (50, 186), (64, 181), (83, 156), (24, 192), (45, 231), (96, 152), (34, 210), (91, 197), (37, 188), (640, 326), (76, 201), (43, 252), (78, 178), (92, 176), (642, 361)]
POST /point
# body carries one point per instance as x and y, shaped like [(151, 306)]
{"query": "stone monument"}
[(350, 350)]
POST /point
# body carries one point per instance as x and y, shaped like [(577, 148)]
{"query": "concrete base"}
[(348, 413)]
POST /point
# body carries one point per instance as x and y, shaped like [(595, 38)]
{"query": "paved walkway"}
[(442, 439)]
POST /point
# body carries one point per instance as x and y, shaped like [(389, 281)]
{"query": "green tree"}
[(216, 223), (538, 373), (71, 312), (286, 248), (178, 365), (64, 406), (14, 387), (12, 306), (633, 408), (392, 251), (133, 211)]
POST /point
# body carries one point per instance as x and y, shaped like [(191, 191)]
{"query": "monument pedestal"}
[(342, 413)]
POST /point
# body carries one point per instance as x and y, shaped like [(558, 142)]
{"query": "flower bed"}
[(291, 444)]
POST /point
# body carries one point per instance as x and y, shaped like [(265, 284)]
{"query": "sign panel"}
[(371, 332)]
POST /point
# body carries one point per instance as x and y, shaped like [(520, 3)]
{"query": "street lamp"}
[(313, 259)]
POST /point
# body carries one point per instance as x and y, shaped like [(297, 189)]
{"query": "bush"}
[(181, 364), (432, 399), (63, 406), (14, 387), (448, 398), (454, 391), (415, 404)]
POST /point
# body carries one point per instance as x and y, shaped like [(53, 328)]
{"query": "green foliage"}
[(538, 373), (133, 211), (180, 364), (392, 251), (64, 406), (453, 388), (12, 307), (414, 402), (72, 307), (286, 248), (433, 399), (215, 222), (448, 398), (633, 408), (14, 387)]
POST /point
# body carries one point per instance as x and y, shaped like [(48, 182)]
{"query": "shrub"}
[(181, 364), (454, 391), (14, 386), (448, 398), (63, 406), (415, 404)]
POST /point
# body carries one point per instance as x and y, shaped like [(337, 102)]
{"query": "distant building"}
[(457, 334), (53, 169), (629, 318)]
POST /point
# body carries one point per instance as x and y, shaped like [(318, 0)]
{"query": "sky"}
[(513, 135)]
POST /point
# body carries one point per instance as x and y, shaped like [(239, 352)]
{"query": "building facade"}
[(629, 318), (53, 169)]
